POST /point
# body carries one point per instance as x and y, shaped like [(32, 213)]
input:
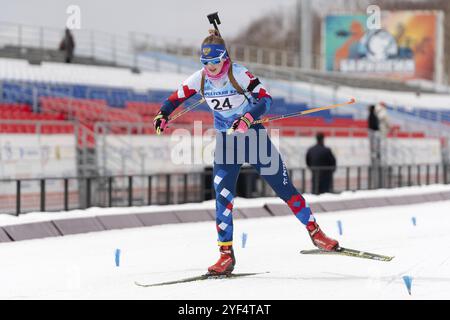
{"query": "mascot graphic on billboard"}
[(403, 48)]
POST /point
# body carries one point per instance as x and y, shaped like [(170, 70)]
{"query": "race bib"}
[(225, 103)]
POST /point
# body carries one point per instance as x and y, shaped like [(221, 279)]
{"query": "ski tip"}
[(139, 284)]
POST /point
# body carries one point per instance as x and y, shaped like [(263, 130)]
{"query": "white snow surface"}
[(82, 266)]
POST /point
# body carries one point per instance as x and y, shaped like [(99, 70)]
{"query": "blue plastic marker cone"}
[(117, 257), (339, 224), (408, 283), (413, 219), (244, 239)]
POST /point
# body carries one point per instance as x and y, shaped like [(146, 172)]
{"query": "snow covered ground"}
[(83, 266)]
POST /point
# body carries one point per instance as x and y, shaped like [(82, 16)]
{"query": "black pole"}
[(358, 178), (18, 197), (418, 175), (167, 189), (185, 191), (42, 195), (66, 194), (347, 178), (409, 176), (110, 182), (400, 176), (428, 174), (130, 191), (389, 177), (436, 178), (303, 180), (88, 192), (444, 171), (369, 177), (149, 191), (380, 177)]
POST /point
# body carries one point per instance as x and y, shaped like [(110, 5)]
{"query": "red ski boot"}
[(319, 239), (226, 262)]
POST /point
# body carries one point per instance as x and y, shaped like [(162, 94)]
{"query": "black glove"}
[(160, 122)]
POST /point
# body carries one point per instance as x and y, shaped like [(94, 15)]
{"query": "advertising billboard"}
[(406, 46)]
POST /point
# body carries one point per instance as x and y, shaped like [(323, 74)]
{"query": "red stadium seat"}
[(401, 135), (288, 133), (418, 135), (342, 133), (360, 134), (143, 108)]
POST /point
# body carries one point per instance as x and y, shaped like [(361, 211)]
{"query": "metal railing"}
[(55, 194), (126, 50)]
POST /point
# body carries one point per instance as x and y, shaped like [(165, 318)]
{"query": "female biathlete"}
[(237, 99)]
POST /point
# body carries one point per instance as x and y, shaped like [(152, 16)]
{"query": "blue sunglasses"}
[(211, 61), (215, 60)]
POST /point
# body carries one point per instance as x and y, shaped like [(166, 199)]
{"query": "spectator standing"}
[(321, 161), (373, 125), (385, 128), (68, 46), (383, 119)]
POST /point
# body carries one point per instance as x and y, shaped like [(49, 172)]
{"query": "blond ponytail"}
[(213, 38)]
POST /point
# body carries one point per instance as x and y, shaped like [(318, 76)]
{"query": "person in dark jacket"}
[(68, 46), (321, 156), (373, 122), (373, 125)]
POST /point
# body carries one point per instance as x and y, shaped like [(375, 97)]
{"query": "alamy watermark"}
[(373, 21), (74, 19), (202, 147)]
